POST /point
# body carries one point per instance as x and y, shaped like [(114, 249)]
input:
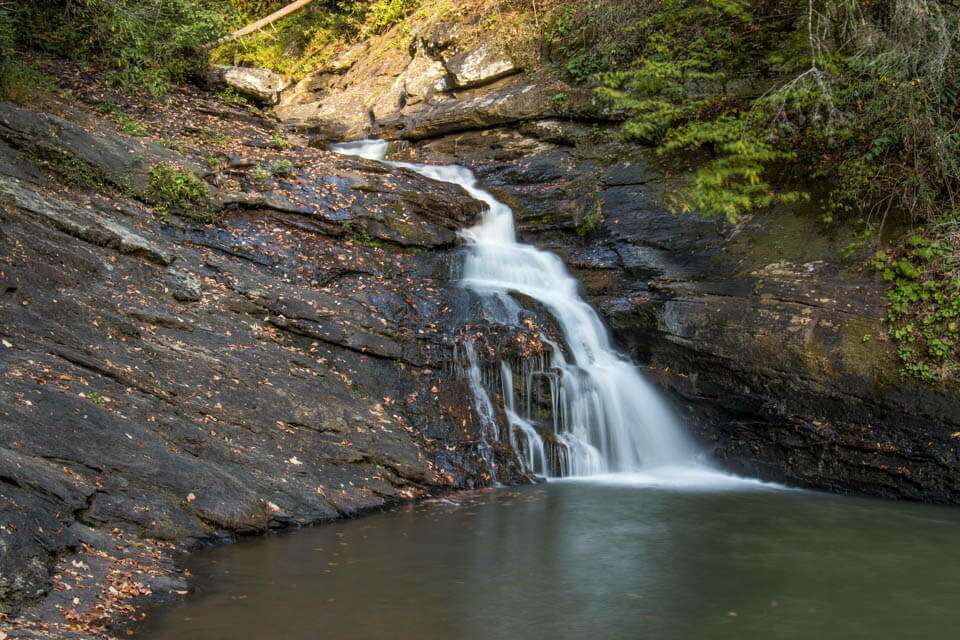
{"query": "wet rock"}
[(83, 223), (123, 161), (774, 349)]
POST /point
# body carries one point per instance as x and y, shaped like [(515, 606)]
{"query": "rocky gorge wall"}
[(770, 340), (771, 344)]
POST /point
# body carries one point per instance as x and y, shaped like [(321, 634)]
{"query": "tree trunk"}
[(260, 24)]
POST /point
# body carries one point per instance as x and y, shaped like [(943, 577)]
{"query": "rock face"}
[(165, 382), (772, 345), (452, 77)]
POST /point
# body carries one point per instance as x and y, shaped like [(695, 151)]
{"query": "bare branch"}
[(260, 24)]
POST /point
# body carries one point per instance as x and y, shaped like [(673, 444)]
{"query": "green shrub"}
[(131, 126), (171, 189), (924, 305), (20, 82), (865, 96), (145, 43), (383, 14)]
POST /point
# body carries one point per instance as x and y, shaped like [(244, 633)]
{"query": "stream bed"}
[(618, 557)]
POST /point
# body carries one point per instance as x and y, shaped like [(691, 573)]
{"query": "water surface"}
[(614, 558)]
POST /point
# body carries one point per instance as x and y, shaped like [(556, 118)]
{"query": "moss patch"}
[(866, 350), (70, 170), (173, 190)]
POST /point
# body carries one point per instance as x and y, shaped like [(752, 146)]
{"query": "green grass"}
[(22, 83), (131, 126), (70, 170)]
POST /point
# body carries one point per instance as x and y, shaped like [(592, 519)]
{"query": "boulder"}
[(478, 66), (260, 85), (423, 78)]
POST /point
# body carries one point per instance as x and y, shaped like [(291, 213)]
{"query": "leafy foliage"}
[(861, 93), (307, 40), (172, 189), (151, 44), (146, 43), (676, 96), (924, 311), (860, 97), (20, 82), (383, 14)]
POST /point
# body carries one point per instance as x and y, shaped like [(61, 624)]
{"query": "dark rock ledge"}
[(166, 383)]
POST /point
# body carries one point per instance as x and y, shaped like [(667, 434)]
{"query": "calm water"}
[(577, 560)]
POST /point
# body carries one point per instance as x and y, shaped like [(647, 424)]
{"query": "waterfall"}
[(523, 436), (605, 416), (489, 432)]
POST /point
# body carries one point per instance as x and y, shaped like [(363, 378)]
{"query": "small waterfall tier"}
[(584, 409)]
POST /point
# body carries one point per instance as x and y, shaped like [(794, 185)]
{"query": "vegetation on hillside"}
[(150, 44), (307, 40), (861, 92), (20, 81), (859, 97)]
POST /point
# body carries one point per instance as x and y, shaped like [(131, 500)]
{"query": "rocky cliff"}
[(769, 334), (772, 344)]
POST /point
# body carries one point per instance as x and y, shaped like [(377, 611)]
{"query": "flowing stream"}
[(606, 418)]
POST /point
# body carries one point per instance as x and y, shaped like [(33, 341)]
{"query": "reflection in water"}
[(589, 560)]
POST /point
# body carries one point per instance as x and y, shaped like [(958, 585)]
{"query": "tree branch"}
[(260, 24)]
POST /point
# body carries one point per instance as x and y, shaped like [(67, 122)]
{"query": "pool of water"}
[(615, 558)]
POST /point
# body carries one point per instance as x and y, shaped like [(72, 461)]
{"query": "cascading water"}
[(485, 411), (606, 417), (523, 436)]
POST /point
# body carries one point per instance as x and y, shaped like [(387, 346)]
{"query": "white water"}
[(606, 417), (485, 411), (523, 436)]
